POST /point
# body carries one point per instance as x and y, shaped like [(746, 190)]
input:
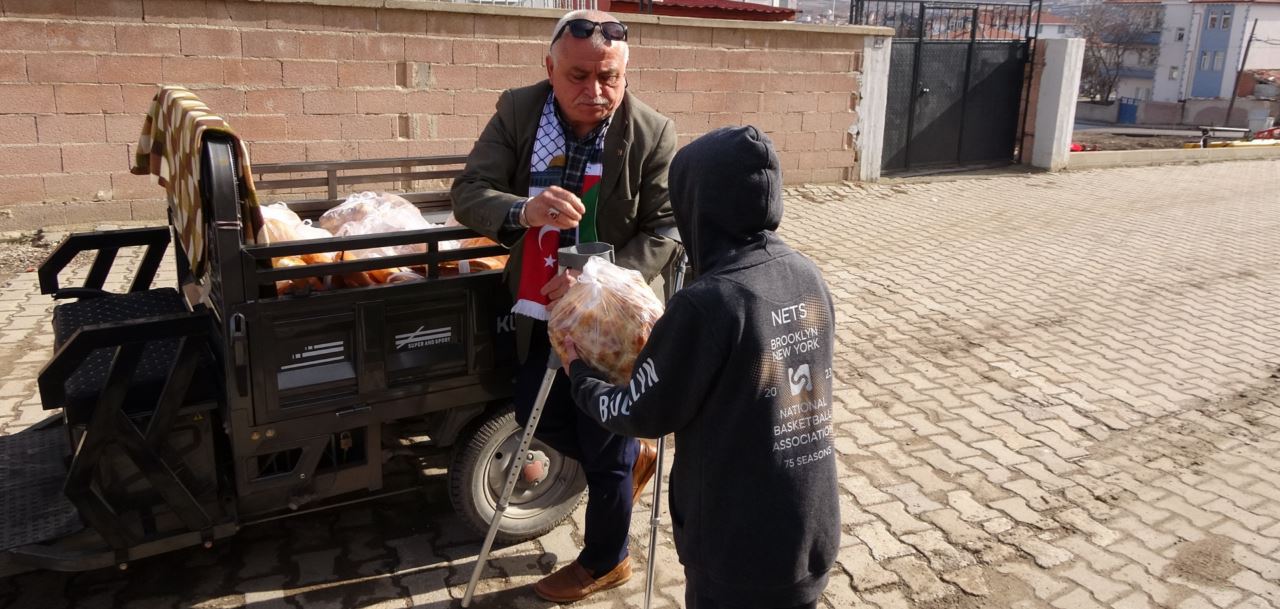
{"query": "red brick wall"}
[(302, 81)]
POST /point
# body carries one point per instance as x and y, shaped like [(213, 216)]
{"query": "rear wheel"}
[(546, 493)]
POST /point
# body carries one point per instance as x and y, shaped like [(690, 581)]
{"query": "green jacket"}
[(634, 206)]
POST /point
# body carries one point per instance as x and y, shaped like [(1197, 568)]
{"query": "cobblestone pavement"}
[(1054, 391)]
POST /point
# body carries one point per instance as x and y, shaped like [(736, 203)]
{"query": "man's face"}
[(588, 82)]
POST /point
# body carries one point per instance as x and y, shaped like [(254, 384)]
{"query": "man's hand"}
[(570, 355), (556, 288), (554, 206)]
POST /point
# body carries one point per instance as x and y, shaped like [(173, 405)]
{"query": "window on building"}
[(1213, 20), (1219, 60), (1062, 29), (1204, 60), (1181, 35), (1173, 72), (1226, 21)]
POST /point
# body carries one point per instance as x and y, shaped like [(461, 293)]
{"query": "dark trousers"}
[(606, 458), (695, 599)]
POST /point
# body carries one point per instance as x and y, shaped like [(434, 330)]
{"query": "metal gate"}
[(957, 75)]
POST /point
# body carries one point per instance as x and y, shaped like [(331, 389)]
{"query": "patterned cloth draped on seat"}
[(169, 148)]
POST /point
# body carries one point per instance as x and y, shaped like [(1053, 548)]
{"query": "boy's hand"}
[(570, 355)]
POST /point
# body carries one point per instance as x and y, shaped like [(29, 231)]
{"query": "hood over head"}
[(726, 194)]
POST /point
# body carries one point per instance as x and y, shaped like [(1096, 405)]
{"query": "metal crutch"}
[(655, 517), (574, 257)]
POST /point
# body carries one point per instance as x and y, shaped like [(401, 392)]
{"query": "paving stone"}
[(942, 555), (955, 528), (1102, 588), (1191, 495), (1255, 602), (914, 501), (1197, 516), (1043, 476), (888, 599), (863, 570), (1240, 515), (1001, 453), (1044, 585), (921, 582), (883, 544), (928, 481), (940, 461), (954, 448), (968, 508), (1016, 507), (970, 579), (1045, 554), (316, 566), (1037, 498), (993, 472), (863, 491), (1137, 600), (1252, 582), (900, 522), (1215, 595), (1087, 500), (1076, 599), (839, 593), (1098, 559), (1099, 534), (1260, 543), (1064, 448)]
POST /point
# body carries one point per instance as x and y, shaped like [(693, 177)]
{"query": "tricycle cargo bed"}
[(313, 377)]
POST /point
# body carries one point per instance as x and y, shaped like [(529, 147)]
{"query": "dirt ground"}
[(22, 255), (1112, 141)]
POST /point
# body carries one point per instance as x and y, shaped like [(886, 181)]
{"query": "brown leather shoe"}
[(642, 471), (572, 582)]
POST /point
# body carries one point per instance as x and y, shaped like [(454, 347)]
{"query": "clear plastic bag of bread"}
[(608, 314), (372, 213), (474, 265), (281, 224)]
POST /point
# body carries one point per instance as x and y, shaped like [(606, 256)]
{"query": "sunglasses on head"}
[(583, 28)]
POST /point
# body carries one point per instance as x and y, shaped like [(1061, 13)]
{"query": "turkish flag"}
[(538, 265)]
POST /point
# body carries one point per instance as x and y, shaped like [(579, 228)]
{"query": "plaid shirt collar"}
[(579, 152)]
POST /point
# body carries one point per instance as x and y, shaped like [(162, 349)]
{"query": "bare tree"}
[(1114, 32)]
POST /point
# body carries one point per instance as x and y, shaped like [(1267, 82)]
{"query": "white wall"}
[(872, 106), (1261, 55), (1139, 88), (1173, 52), (1056, 102), (1264, 56)]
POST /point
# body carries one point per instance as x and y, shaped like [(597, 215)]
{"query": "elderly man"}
[(575, 158)]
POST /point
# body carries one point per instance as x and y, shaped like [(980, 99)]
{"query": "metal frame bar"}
[(1029, 79), (996, 21), (109, 425), (107, 244)]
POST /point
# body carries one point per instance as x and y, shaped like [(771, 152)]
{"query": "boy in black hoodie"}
[(739, 368)]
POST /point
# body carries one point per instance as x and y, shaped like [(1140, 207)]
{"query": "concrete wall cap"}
[(550, 13)]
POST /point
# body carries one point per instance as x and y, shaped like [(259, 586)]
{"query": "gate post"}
[(1055, 111), (872, 100)]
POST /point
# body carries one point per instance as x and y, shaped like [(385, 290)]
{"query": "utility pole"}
[(1240, 72)]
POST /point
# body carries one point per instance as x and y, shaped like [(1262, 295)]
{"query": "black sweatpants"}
[(695, 599)]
